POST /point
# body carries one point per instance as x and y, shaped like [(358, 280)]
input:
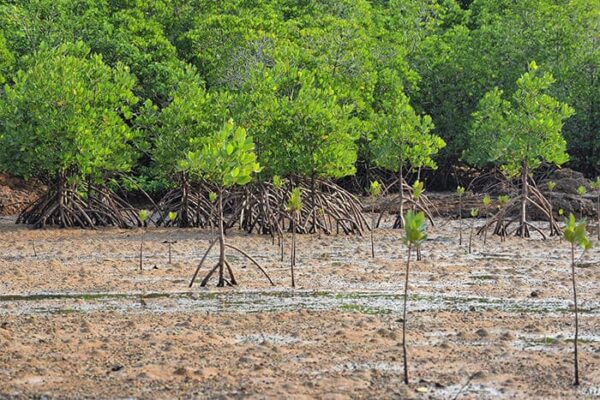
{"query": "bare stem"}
[(404, 315), (576, 313)]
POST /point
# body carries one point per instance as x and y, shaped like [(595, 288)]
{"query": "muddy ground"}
[(78, 320)]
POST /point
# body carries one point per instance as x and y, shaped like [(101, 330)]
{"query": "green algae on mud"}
[(366, 302)]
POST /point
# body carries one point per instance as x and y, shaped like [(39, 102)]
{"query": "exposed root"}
[(503, 219), (64, 206), (328, 209), (191, 204)]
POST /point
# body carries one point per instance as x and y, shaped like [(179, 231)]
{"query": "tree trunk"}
[(576, 313), (372, 229), (523, 231), (293, 250), (183, 218), (313, 194), (61, 198), (404, 316), (401, 192), (221, 240), (460, 226), (142, 247), (485, 230), (471, 236)]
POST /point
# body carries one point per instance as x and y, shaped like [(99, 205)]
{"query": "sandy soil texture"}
[(78, 320)]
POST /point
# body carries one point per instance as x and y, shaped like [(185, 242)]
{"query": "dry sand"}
[(78, 320)]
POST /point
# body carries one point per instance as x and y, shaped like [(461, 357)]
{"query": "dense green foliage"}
[(65, 114), (318, 85), (225, 157), (521, 133)]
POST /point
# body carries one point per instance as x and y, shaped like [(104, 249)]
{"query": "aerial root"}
[(503, 219), (261, 207), (65, 207)]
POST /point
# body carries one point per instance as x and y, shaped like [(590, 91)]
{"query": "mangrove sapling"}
[(172, 217), (460, 191), (414, 235), (374, 191), (143, 216), (404, 140), (581, 192), (575, 233), (520, 135), (474, 214), (596, 187), (34, 251), (294, 207), (191, 113), (486, 204), (225, 158)]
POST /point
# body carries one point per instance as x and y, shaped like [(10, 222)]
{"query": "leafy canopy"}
[(192, 113), (524, 131), (225, 158), (66, 114), (402, 137)]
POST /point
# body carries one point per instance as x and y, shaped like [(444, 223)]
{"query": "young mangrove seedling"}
[(474, 214), (143, 215), (576, 234), (375, 192), (486, 205), (520, 133), (294, 207), (172, 217), (551, 185), (460, 191), (581, 191), (596, 187), (414, 229)]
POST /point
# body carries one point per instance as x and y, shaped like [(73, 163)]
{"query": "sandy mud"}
[(78, 320)]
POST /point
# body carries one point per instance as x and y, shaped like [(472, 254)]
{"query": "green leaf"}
[(414, 228), (294, 201), (143, 215), (375, 189)]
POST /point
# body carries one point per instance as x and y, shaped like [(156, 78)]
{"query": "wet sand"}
[(77, 318)]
